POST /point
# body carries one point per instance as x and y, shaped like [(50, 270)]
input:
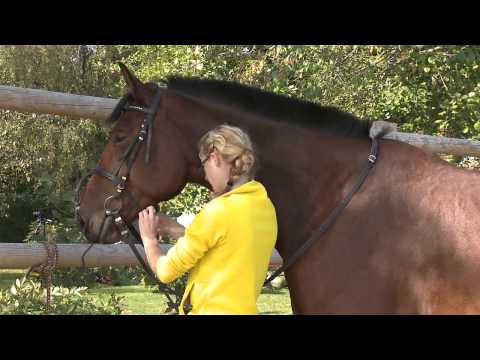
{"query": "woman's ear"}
[(217, 159)]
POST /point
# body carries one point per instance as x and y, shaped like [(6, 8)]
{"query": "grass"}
[(139, 300), (274, 302), (7, 277)]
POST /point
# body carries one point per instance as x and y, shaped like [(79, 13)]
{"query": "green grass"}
[(7, 277), (274, 302), (139, 300)]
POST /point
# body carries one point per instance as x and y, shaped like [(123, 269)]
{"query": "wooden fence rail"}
[(79, 106), (22, 256)]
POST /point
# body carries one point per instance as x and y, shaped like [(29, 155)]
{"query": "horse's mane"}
[(267, 104), (271, 105)]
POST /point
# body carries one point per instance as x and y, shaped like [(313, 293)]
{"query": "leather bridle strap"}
[(152, 111), (372, 158), (113, 178)]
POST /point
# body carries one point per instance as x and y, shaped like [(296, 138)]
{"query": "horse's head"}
[(141, 165)]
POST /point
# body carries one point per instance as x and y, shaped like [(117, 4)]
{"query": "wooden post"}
[(22, 256)]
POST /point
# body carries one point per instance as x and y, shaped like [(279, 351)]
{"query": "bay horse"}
[(406, 244)]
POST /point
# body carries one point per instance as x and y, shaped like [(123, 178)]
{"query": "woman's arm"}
[(151, 224), (208, 227), (168, 226)]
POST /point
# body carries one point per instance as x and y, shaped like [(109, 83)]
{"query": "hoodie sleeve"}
[(206, 230)]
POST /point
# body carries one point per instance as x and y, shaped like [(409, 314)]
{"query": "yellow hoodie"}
[(228, 245)]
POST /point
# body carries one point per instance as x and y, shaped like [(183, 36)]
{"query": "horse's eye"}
[(118, 138)]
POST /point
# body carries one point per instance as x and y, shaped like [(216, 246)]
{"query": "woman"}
[(228, 245)]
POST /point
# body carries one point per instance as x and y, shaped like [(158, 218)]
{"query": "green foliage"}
[(430, 89), (434, 90), (35, 149), (62, 68), (470, 162), (27, 297), (191, 200)]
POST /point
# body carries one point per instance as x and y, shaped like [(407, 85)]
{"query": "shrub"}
[(27, 297)]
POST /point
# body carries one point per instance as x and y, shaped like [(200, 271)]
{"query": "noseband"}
[(125, 227)]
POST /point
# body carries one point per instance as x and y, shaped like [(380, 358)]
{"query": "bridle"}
[(120, 181)]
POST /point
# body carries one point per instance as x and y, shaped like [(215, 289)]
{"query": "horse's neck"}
[(306, 178), (305, 172)]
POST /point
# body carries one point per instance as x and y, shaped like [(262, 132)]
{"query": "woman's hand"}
[(147, 223), (152, 223)]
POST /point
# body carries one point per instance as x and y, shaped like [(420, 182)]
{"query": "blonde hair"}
[(235, 147)]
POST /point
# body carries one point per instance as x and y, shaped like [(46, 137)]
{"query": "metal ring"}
[(111, 211)]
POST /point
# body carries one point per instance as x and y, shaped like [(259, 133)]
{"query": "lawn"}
[(139, 300)]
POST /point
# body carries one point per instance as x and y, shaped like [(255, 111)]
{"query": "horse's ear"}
[(137, 89)]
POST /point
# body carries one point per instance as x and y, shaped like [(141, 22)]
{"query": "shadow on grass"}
[(273, 291), (118, 290), (270, 313)]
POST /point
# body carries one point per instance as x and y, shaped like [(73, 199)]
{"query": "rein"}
[(372, 159)]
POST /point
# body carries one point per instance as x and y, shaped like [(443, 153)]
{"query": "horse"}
[(406, 243)]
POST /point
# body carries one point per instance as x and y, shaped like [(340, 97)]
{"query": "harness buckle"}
[(124, 232), (121, 185), (372, 158), (119, 220)]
